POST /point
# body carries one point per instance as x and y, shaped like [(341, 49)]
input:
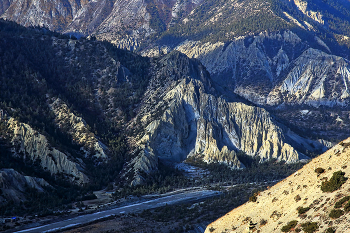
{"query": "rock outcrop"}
[(315, 79), (78, 129), (29, 143), (274, 69), (191, 121), (13, 185), (278, 71), (277, 206)]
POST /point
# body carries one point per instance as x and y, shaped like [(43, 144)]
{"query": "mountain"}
[(315, 198), (82, 114), (120, 21), (63, 104), (217, 81), (182, 117), (299, 63)]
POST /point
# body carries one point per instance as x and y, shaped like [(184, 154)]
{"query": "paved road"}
[(84, 219)]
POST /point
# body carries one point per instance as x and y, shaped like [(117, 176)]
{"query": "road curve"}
[(85, 219)]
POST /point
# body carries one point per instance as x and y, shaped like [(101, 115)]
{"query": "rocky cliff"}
[(30, 144), (78, 129), (13, 185), (298, 198), (191, 121), (281, 71), (289, 72)]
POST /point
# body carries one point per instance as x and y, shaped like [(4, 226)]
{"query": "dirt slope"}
[(278, 205)]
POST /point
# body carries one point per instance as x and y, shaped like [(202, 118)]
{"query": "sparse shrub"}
[(309, 227), (336, 213), (340, 203), (211, 229), (263, 222), (302, 210), (289, 226), (330, 230), (254, 198), (319, 170), (334, 183), (347, 206), (297, 198)]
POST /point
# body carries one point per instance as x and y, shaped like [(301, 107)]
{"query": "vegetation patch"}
[(347, 207), (330, 230), (309, 227), (336, 213), (254, 198), (334, 183), (263, 222), (340, 203), (319, 170), (289, 226), (303, 210)]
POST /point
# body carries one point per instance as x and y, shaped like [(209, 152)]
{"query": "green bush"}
[(319, 170), (263, 222), (309, 227), (302, 210), (330, 230), (347, 206), (336, 213), (340, 203), (334, 183), (254, 198), (289, 226)]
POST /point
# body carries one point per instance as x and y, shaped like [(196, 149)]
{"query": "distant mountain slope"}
[(298, 198), (114, 20)]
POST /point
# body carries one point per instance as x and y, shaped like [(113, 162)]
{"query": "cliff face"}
[(189, 120), (78, 129), (288, 72), (316, 79), (29, 143), (13, 185), (281, 71), (278, 205), (198, 123)]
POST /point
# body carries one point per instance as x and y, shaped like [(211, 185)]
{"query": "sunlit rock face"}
[(190, 120), (30, 144), (274, 69), (78, 129)]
